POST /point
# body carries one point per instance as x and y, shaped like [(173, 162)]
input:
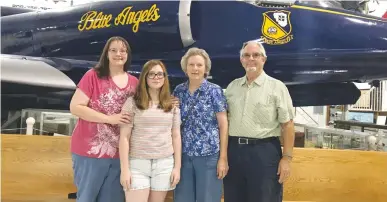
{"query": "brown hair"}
[(142, 97), (102, 68)]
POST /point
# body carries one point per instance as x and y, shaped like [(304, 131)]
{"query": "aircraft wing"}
[(7, 10), (39, 82), (35, 72)]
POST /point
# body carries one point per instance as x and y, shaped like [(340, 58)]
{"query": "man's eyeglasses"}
[(248, 55), (152, 75)]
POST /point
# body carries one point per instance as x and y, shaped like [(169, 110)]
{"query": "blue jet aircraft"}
[(318, 50)]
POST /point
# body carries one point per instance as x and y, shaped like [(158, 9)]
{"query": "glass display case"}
[(334, 138), (49, 122)]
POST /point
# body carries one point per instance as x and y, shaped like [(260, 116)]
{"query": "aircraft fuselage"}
[(305, 45)]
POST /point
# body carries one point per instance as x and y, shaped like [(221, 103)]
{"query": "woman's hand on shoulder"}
[(121, 118), (175, 101)]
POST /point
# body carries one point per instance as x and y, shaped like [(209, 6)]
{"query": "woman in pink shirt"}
[(150, 146), (94, 143)]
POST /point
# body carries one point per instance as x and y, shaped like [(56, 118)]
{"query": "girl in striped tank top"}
[(150, 146)]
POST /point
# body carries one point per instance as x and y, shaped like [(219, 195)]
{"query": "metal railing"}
[(305, 115)]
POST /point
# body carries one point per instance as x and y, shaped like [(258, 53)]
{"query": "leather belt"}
[(251, 141)]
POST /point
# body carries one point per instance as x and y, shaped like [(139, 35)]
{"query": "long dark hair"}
[(142, 97), (102, 68)]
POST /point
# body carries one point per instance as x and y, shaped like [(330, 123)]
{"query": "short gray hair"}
[(193, 52), (258, 42)]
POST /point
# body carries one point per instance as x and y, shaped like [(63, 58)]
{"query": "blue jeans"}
[(199, 181), (97, 180)]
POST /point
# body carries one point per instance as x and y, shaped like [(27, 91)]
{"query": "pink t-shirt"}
[(100, 140)]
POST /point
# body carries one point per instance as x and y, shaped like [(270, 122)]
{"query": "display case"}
[(334, 138), (49, 122)]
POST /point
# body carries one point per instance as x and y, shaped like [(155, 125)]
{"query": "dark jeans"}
[(252, 175)]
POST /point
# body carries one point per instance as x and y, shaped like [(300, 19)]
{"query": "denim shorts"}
[(151, 173)]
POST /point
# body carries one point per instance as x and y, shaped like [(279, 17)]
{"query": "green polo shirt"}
[(256, 110)]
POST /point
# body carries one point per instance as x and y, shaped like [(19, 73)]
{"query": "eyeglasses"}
[(255, 55), (152, 75), (247, 55), (115, 51)]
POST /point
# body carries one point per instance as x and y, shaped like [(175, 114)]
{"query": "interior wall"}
[(378, 8), (312, 115)]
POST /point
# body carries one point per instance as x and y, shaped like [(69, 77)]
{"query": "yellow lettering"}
[(107, 20), (130, 19), (98, 20), (144, 15), (150, 11), (92, 20), (87, 20), (155, 15), (277, 41), (121, 18), (136, 21)]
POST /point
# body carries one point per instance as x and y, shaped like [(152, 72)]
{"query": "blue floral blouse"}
[(200, 130)]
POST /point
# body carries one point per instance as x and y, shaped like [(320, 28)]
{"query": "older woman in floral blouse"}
[(204, 132)]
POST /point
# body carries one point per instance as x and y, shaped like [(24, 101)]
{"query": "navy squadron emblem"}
[(276, 27)]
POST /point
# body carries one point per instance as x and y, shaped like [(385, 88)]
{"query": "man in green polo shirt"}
[(260, 112)]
